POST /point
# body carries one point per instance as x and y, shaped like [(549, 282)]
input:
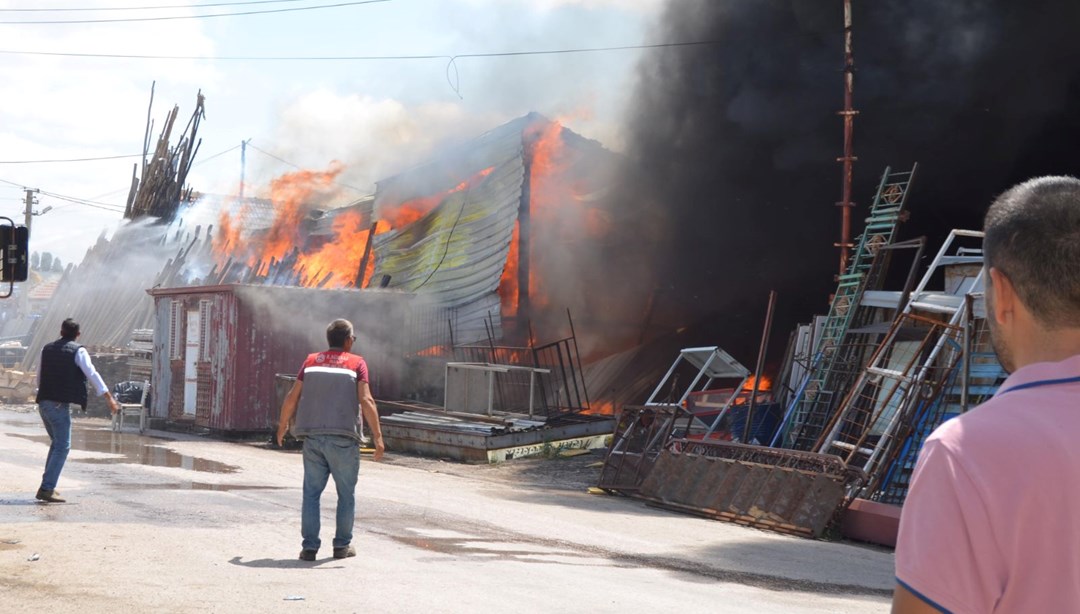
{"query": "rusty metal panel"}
[(782, 490), (640, 434)]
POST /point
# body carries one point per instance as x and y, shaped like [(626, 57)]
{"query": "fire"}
[(765, 384), (547, 161), (602, 408), (508, 283), (228, 234), (435, 351), (558, 216), (340, 257), (333, 263), (292, 195), (403, 214)]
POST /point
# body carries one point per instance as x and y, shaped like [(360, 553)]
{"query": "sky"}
[(376, 116)]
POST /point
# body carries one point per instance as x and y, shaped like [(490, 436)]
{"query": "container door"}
[(191, 358)]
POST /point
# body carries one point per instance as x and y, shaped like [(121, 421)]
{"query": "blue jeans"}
[(57, 419), (326, 455)]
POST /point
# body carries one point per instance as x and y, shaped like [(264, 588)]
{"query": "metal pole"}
[(532, 391), (965, 374), (491, 391), (848, 159), (577, 353), (762, 349), (243, 166), (29, 207)]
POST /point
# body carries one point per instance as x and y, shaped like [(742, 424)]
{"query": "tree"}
[(46, 261), (35, 261), (57, 267)]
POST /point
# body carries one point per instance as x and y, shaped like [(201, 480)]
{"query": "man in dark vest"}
[(329, 389), (65, 367)]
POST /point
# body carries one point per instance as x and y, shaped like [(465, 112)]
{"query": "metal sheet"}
[(790, 492)]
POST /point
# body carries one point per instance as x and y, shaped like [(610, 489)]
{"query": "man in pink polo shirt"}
[(992, 521)]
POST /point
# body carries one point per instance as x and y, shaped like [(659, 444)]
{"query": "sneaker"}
[(344, 553), (308, 555), (49, 496)]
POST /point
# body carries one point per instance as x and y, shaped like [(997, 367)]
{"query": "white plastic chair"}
[(133, 410)]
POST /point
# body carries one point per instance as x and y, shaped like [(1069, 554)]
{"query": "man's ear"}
[(1004, 299)]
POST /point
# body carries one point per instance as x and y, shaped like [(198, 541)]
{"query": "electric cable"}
[(449, 236), (345, 58), (146, 8), (70, 159), (206, 16), (298, 167)]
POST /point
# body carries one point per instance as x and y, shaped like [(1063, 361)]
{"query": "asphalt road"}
[(183, 524)]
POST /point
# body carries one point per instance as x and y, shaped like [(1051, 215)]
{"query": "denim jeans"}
[(325, 456), (57, 419)]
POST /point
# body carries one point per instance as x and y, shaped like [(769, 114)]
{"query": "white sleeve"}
[(82, 358)]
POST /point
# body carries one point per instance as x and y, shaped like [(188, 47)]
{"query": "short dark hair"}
[(337, 332), (1033, 237), (69, 329)]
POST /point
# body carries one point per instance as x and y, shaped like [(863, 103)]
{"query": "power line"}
[(145, 8), (359, 57), (70, 159), (282, 160), (209, 15), (84, 202), (220, 153), (72, 199)]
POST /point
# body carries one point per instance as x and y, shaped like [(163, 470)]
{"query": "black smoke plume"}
[(735, 143)]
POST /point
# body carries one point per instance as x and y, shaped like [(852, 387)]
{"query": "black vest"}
[(61, 379)]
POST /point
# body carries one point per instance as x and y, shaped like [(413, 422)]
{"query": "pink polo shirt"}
[(992, 520)]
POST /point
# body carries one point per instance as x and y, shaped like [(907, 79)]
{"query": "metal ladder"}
[(809, 411), (976, 379), (864, 429)]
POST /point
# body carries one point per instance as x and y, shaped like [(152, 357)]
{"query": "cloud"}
[(60, 107)]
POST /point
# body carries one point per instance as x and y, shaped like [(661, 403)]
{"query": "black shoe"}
[(344, 553), (308, 555), (49, 496)]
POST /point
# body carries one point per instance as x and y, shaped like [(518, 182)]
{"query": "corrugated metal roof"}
[(458, 251)]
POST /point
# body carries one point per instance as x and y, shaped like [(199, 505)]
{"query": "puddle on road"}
[(134, 450)]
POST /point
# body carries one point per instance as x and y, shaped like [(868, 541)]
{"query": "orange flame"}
[(340, 257), (292, 197), (508, 283), (764, 385), (333, 263), (406, 213)]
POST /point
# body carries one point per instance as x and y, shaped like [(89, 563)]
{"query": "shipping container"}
[(218, 349)]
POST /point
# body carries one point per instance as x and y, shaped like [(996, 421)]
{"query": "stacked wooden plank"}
[(161, 189)]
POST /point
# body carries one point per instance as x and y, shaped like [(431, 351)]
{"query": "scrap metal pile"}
[(860, 390)]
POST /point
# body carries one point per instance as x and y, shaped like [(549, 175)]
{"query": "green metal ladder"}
[(811, 410)]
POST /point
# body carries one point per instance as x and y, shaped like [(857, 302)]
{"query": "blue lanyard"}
[(1040, 383)]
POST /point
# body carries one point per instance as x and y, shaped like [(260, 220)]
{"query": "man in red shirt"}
[(330, 387)]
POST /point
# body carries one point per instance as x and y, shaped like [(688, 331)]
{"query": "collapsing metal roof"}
[(458, 251)]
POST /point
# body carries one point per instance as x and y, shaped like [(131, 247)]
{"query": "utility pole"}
[(30, 202), (848, 160), (243, 166)]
